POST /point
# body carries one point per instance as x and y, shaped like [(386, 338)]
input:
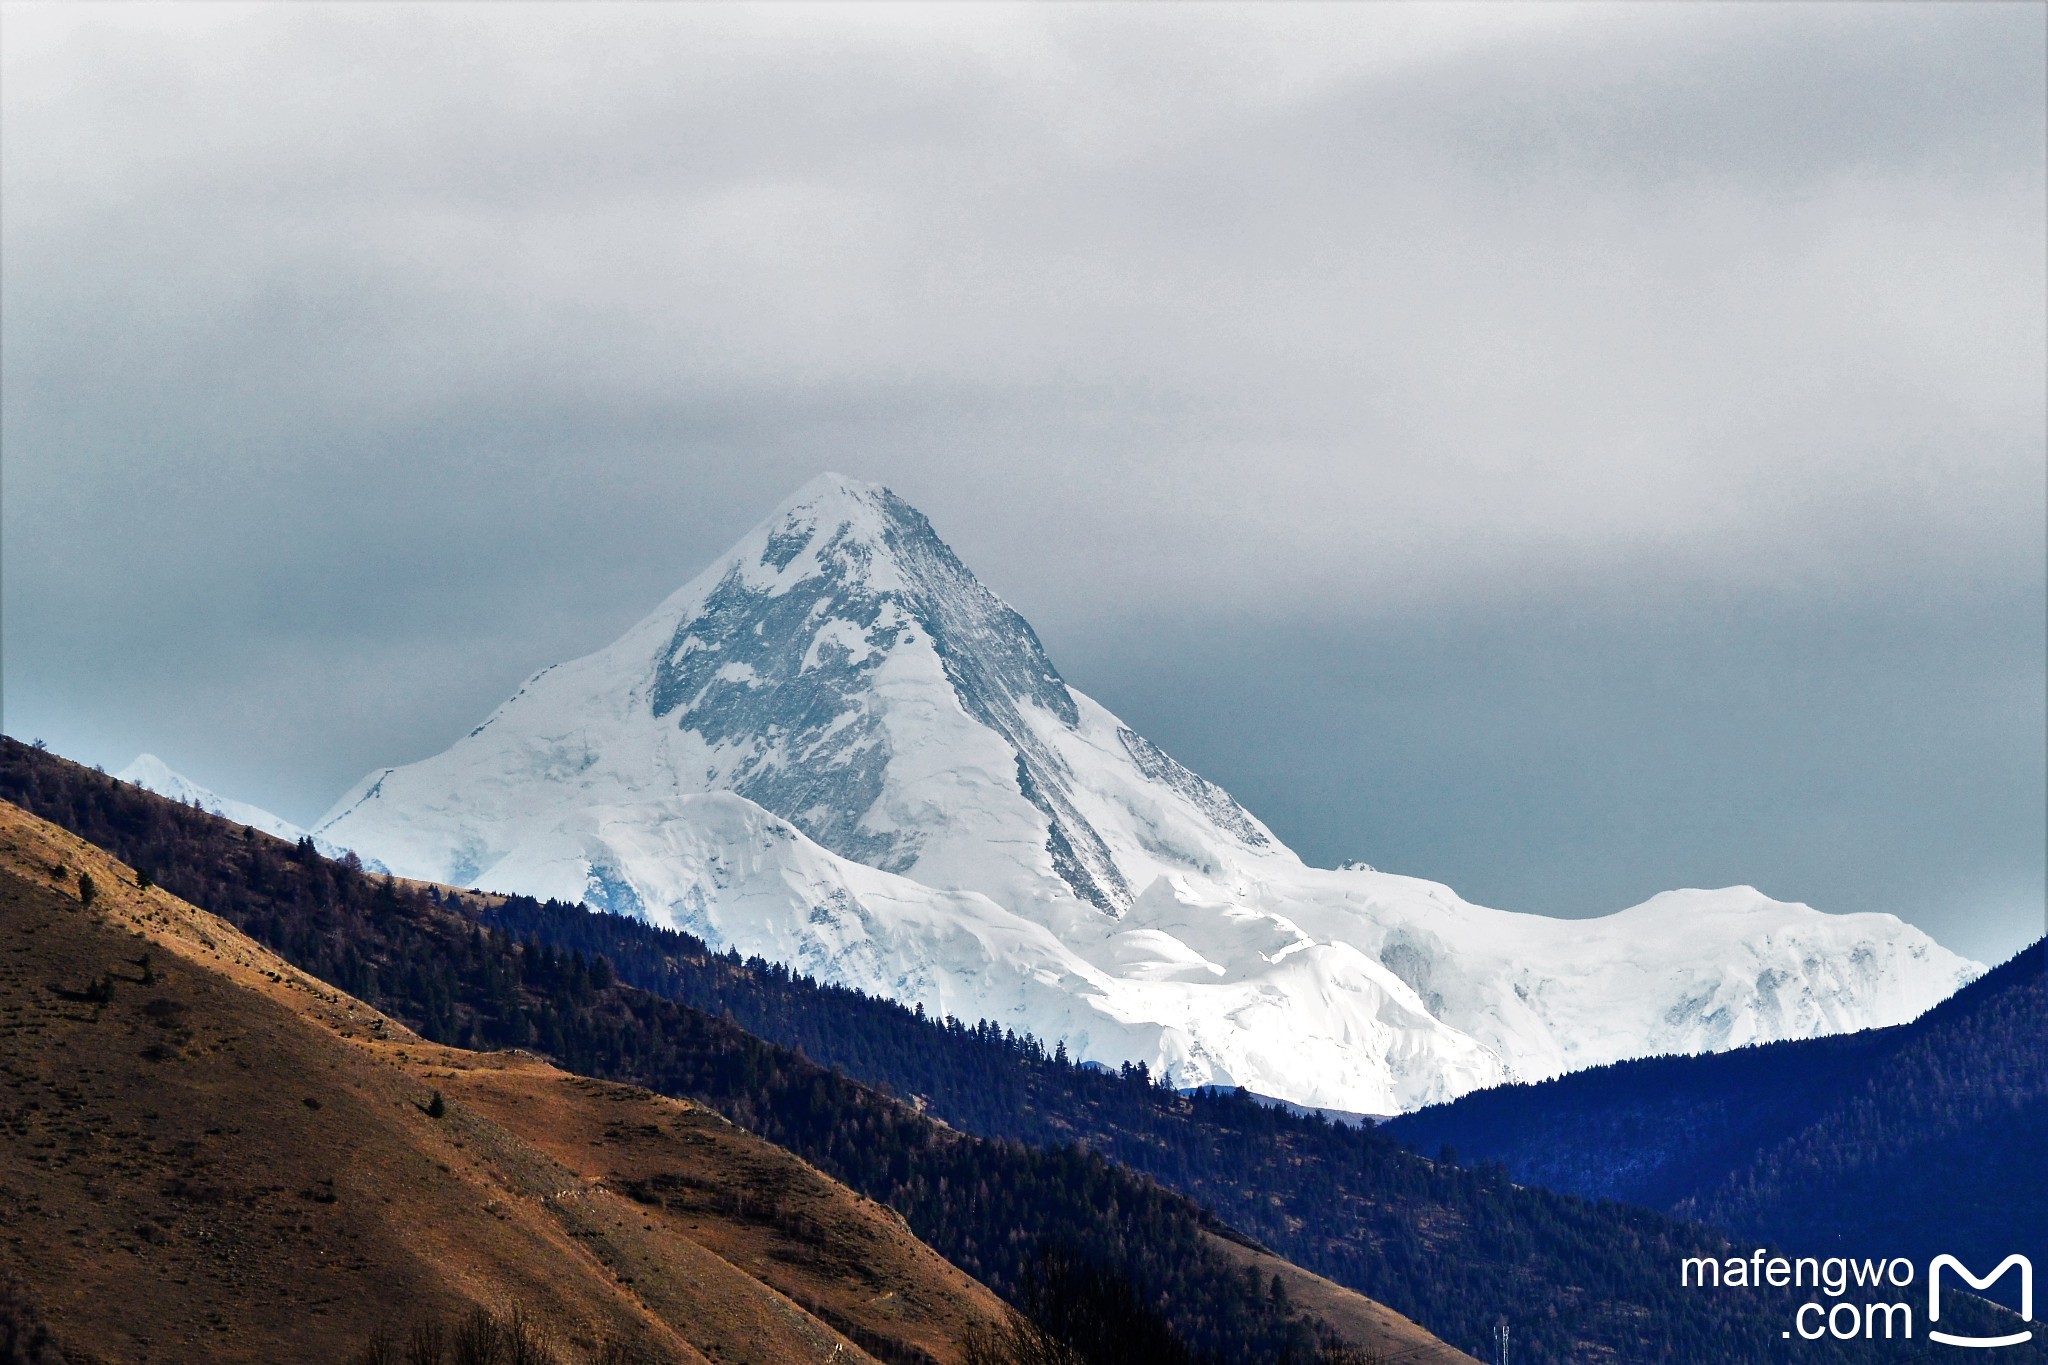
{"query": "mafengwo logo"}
[(1879, 1311), (1934, 1269)]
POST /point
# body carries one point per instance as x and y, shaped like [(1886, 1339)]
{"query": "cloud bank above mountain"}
[(1283, 366)]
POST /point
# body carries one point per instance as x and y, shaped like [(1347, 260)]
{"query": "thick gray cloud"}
[(1567, 451)]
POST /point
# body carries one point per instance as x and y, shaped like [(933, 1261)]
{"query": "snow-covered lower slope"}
[(836, 748)]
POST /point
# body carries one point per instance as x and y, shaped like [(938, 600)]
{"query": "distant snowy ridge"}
[(153, 774), (836, 748)]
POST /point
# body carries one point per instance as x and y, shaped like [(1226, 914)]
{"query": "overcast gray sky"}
[(1565, 451)]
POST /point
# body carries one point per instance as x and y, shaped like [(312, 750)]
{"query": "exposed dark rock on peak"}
[(784, 669)]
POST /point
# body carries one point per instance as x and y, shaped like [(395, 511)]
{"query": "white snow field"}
[(835, 748)]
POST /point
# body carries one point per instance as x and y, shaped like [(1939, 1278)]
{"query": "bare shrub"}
[(481, 1338), (618, 1351), (428, 1344), (24, 1336), (380, 1349), (1017, 1341)]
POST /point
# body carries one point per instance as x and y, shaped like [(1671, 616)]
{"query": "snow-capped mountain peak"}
[(787, 666), (153, 774), (842, 669), (836, 747)]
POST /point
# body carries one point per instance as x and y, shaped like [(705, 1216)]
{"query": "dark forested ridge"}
[(1924, 1138), (1452, 1246)]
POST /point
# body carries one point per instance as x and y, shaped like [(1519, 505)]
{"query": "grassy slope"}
[(170, 1193)]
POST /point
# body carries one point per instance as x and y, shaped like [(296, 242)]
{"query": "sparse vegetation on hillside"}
[(480, 1338)]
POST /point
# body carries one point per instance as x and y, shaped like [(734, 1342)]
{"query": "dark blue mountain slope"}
[(1925, 1138)]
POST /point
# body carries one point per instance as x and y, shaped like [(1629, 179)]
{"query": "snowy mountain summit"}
[(836, 748), (153, 774)]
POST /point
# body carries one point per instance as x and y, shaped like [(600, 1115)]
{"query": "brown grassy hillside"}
[(205, 1154)]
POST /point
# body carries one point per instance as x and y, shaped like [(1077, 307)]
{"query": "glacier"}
[(836, 748)]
